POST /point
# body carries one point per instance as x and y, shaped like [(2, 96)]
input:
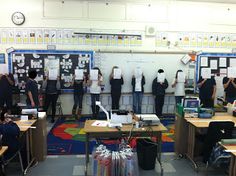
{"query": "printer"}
[(149, 119)]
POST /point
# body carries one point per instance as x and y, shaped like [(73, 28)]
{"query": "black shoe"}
[(52, 120)]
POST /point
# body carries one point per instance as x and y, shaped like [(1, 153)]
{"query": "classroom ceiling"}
[(217, 1)]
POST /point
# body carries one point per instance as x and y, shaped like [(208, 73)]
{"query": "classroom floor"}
[(73, 165)]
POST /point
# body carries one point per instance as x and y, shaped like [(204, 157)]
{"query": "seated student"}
[(207, 91), (10, 133), (51, 88), (230, 89)]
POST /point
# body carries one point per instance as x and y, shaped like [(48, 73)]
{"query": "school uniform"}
[(6, 91), (51, 88), (116, 91), (158, 90), (78, 94), (206, 92), (138, 89), (10, 133), (230, 91), (32, 86)]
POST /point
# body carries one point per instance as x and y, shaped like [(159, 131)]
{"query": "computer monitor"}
[(191, 103)]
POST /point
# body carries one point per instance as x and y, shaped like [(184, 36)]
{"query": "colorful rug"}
[(67, 137)]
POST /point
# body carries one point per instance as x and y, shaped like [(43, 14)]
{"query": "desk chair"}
[(216, 131)]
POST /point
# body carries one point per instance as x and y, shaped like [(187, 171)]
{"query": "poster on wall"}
[(43, 61)]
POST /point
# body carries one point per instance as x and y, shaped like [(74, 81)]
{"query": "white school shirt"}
[(179, 88), (95, 88)]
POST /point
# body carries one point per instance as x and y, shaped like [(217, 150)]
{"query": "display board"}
[(218, 64), (148, 62), (20, 61)]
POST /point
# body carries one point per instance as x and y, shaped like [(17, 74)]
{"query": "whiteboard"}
[(149, 63)]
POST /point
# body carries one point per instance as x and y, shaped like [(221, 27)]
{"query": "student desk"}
[(196, 123), (3, 150), (102, 132), (232, 167), (25, 128)]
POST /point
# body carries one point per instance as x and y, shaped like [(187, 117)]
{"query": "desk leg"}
[(232, 167), (191, 145), (159, 142), (87, 154), (30, 158)]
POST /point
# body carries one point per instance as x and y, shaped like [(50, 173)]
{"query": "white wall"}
[(117, 16)]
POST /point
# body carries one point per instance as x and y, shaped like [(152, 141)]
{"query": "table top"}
[(25, 125), (88, 128), (3, 150), (203, 123), (230, 147)]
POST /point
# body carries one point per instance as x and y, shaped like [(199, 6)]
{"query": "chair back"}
[(216, 131)]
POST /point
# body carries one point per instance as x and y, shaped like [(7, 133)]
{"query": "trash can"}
[(147, 152)]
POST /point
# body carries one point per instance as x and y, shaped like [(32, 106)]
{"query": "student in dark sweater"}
[(31, 90), (115, 89), (6, 85), (78, 95), (51, 88), (10, 133), (207, 91), (230, 89), (138, 89), (158, 90)]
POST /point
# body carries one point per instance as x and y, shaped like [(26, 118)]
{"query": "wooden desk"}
[(3, 150), (232, 167), (196, 123), (25, 128), (101, 132)]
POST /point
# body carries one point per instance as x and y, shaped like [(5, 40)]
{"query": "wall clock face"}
[(18, 18)]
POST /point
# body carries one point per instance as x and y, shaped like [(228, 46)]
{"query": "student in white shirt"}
[(179, 86), (95, 90)]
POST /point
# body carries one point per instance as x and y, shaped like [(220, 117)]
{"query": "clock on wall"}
[(18, 18)]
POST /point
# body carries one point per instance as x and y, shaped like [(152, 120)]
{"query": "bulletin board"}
[(218, 63), (20, 61)]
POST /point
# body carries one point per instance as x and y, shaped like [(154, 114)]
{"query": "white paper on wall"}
[(222, 62), (204, 61), (161, 77), (93, 74), (232, 62), (52, 74), (206, 73), (181, 77), (4, 69), (231, 72), (117, 73), (79, 74), (213, 64)]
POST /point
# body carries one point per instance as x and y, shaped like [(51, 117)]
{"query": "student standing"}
[(31, 90), (6, 85), (78, 95), (207, 91), (95, 90), (51, 87), (116, 84), (230, 89), (179, 86), (159, 85), (138, 82)]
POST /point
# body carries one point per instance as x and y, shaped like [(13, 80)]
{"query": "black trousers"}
[(51, 99), (207, 102), (159, 102), (7, 99), (115, 98)]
